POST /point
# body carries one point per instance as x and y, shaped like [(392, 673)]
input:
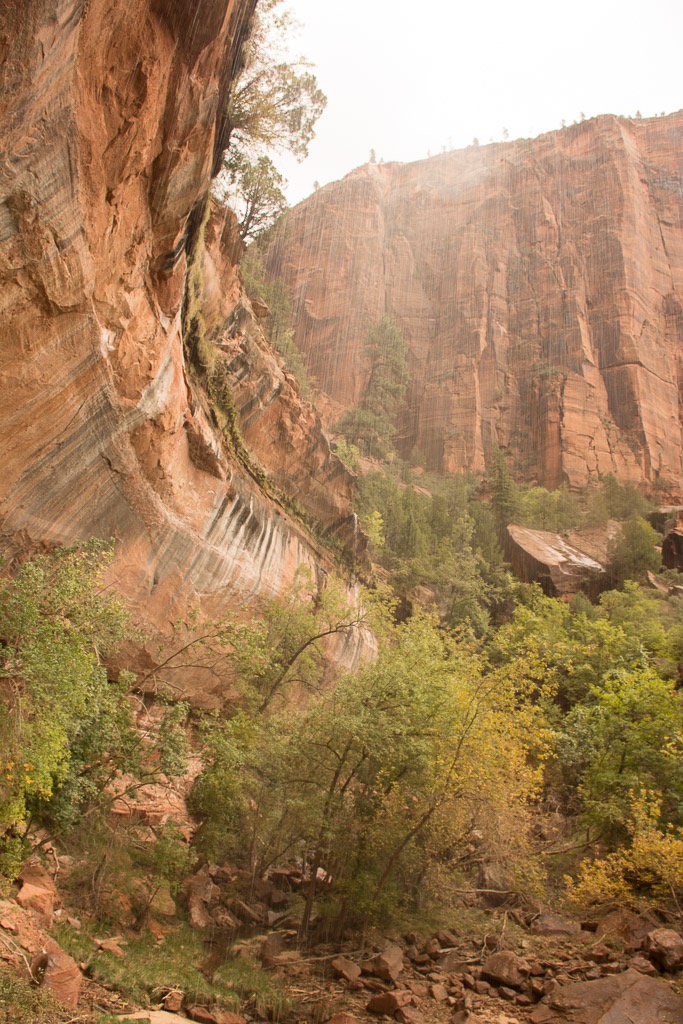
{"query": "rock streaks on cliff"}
[(112, 121), (539, 284)]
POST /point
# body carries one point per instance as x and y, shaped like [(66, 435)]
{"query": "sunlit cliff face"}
[(538, 283)]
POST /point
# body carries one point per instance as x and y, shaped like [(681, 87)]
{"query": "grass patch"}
[(149, 966), (255, 986), (20, 1000)]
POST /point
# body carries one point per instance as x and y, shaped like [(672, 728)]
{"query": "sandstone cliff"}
[(112, 124), (539, 284)]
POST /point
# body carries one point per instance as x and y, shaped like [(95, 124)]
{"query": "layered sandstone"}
[(112, 120), (538, 283), (563, 566)]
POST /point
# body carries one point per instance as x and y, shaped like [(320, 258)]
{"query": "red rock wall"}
[(110, 127), (539, 284)]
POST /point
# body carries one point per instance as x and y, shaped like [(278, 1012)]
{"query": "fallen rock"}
[(201, 889), (547, 558), (626, 998), (664, 946), (110, 945), (198, 915), (629, 926), (506, 969), (244, 912), (223, 918), (643, 966), (388, 964), (34, 873), (272, 945), (346, 969), (388, 1002), (438, 992), (203, 1015), (173, 1000), (554, 924), (409, 1015), (343, 1018), (42, 901), (59, 974)]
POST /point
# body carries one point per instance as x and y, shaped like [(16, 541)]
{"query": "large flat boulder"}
[(561, 568), (628, 998)]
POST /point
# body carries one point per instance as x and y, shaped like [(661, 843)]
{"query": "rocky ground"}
[(540, 968)]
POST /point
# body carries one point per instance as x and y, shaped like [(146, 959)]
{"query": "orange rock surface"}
[(538, 283), (112, 122)]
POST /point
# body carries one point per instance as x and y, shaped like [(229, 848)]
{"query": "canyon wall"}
[(112, 123), (539, 286)]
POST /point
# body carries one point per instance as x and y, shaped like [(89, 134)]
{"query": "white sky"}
[(405, 78)]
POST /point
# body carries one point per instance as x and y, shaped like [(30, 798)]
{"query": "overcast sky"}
[(406, 79)]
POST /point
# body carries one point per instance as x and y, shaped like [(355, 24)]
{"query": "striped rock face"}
[(538, 283), (113, 122)]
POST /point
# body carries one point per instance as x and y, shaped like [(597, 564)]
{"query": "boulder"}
[(59, 974), (537, 556), (272, 945), (438, 992), (506, 969), (388, 1002), (672, 546), (408, 1015), (554, 924), (346, 969), (432, 948), (629, 926), (664, 946), (42, 901), (245, 913), (388, 964), (173, 1000), (626, 998)]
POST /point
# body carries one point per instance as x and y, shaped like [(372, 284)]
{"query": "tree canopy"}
[(273, 105)]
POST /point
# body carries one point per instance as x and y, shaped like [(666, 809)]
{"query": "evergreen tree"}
[(504, 496), (371, 424)]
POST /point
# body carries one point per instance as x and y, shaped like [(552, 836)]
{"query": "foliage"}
[(623, 501), (555, 511), (504, 495), (56, 621), (274, 101), (403, 758), (646, 874), (162, 858), (633, 552), (628, 736), (432, 540), (575, 648), (254, 189), (370, 425), (282, 649), (348, 453), (69, 738)]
